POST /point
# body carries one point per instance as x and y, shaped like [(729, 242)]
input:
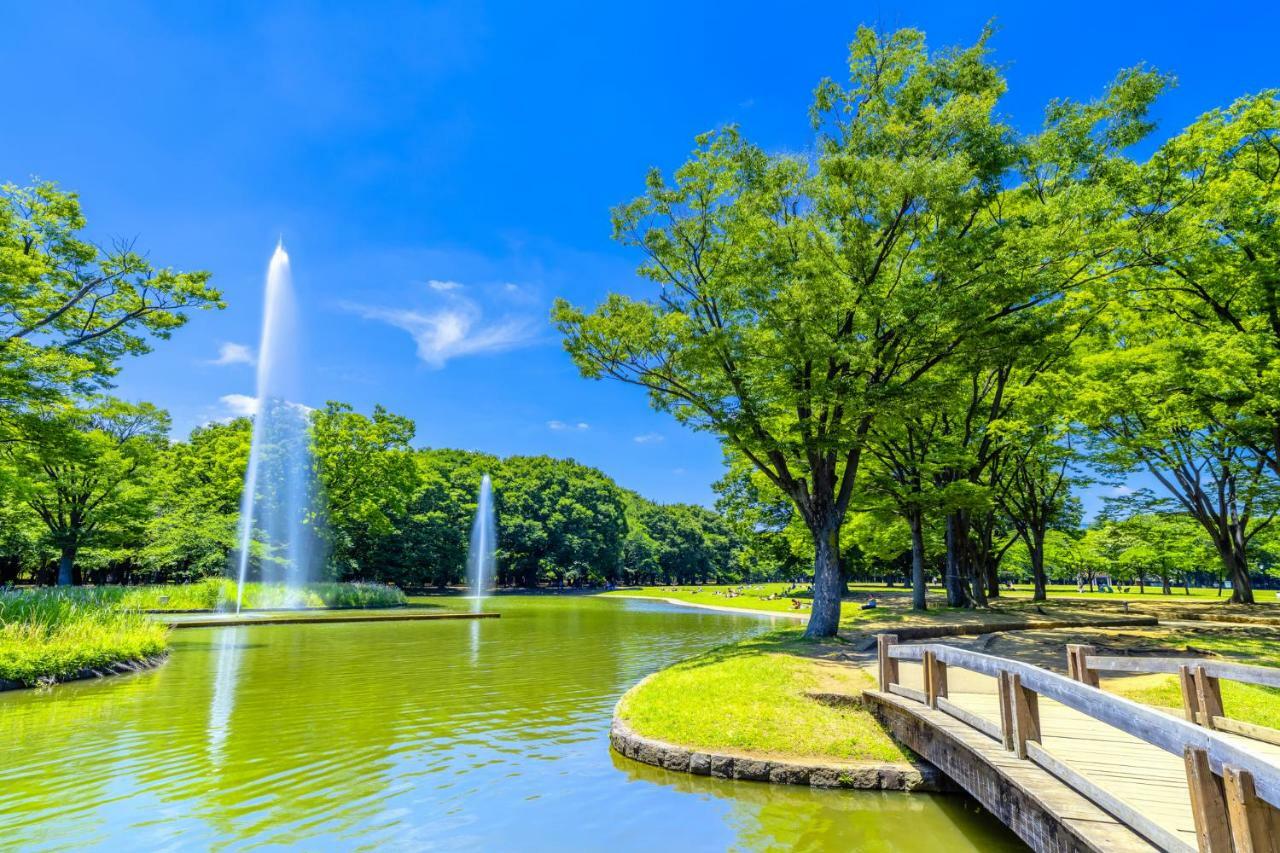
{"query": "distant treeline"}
[(390, 512)]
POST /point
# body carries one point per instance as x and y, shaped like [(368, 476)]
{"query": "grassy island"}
[(773, 696), (52, 635), (56, 633)]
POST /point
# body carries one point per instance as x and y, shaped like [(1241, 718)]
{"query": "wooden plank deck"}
[(1144, 777)]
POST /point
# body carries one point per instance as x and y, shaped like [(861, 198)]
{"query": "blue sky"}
[(441, 172)]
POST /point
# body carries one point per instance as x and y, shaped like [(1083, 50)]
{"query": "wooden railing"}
[(1235, 794), (1200, 681)]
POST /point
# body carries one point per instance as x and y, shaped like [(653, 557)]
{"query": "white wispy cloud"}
[(456, 329), (239, 405), (561, 425), (245, 406), (233, 353), (649, 438)]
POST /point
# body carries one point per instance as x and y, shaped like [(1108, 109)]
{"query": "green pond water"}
[(445, 734)]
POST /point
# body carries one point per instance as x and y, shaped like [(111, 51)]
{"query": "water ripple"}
[(415, 735)]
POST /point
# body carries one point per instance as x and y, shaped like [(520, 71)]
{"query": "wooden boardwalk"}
[(1149, 781)]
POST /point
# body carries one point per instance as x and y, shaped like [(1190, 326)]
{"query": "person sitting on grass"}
[(871, 604)]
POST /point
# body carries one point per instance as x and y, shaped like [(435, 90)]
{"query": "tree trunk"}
[(66, 564), (1237, 565), (824, 616), (992, 572), (918, 598), (952, 578), (1038, 579)]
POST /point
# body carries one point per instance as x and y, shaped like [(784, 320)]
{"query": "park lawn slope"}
[(749, 698)]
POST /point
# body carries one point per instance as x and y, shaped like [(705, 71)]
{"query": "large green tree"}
[(800, 300), (1202, 227), (197, 486), (1145, 418), (84, 470), (368, 476), (558, 522)]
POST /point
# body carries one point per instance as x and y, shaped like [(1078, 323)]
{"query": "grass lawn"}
[(1248, 703), (894, 610), (774, 597), (750, 697), (1152, 593)]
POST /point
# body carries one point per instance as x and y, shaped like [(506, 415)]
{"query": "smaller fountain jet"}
[(481, 562)]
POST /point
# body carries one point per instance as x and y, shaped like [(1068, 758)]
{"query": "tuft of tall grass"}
[(53, 634), (220, 594)]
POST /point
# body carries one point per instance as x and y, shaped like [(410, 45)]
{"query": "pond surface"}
[(444, 735)]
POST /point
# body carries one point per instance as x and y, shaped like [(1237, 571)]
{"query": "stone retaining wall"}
[(876, 776)]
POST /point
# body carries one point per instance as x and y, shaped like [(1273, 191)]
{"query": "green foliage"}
[(82, 471), (802, 302), (1203, 214), (559, 522), (72, 310), (197, 487), (368, 475)]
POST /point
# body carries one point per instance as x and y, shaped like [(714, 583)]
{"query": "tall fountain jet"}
[(276, 507), (481, 562)]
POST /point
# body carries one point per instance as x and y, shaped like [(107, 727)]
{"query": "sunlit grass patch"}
[(751, 697), (49, 635), (220, 594)]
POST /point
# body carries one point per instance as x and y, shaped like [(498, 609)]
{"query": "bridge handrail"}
[(1268, 676), (1157, 728)]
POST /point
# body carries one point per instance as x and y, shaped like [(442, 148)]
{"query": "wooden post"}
[(1005, 684), (1190, 703), (1209, 697), (1077, 667), (1208, 803), (888, 665), (935, 678), (1255, 824), (1026, 715)]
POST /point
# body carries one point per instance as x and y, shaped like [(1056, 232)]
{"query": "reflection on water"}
[(460, 735), (224, 692)]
